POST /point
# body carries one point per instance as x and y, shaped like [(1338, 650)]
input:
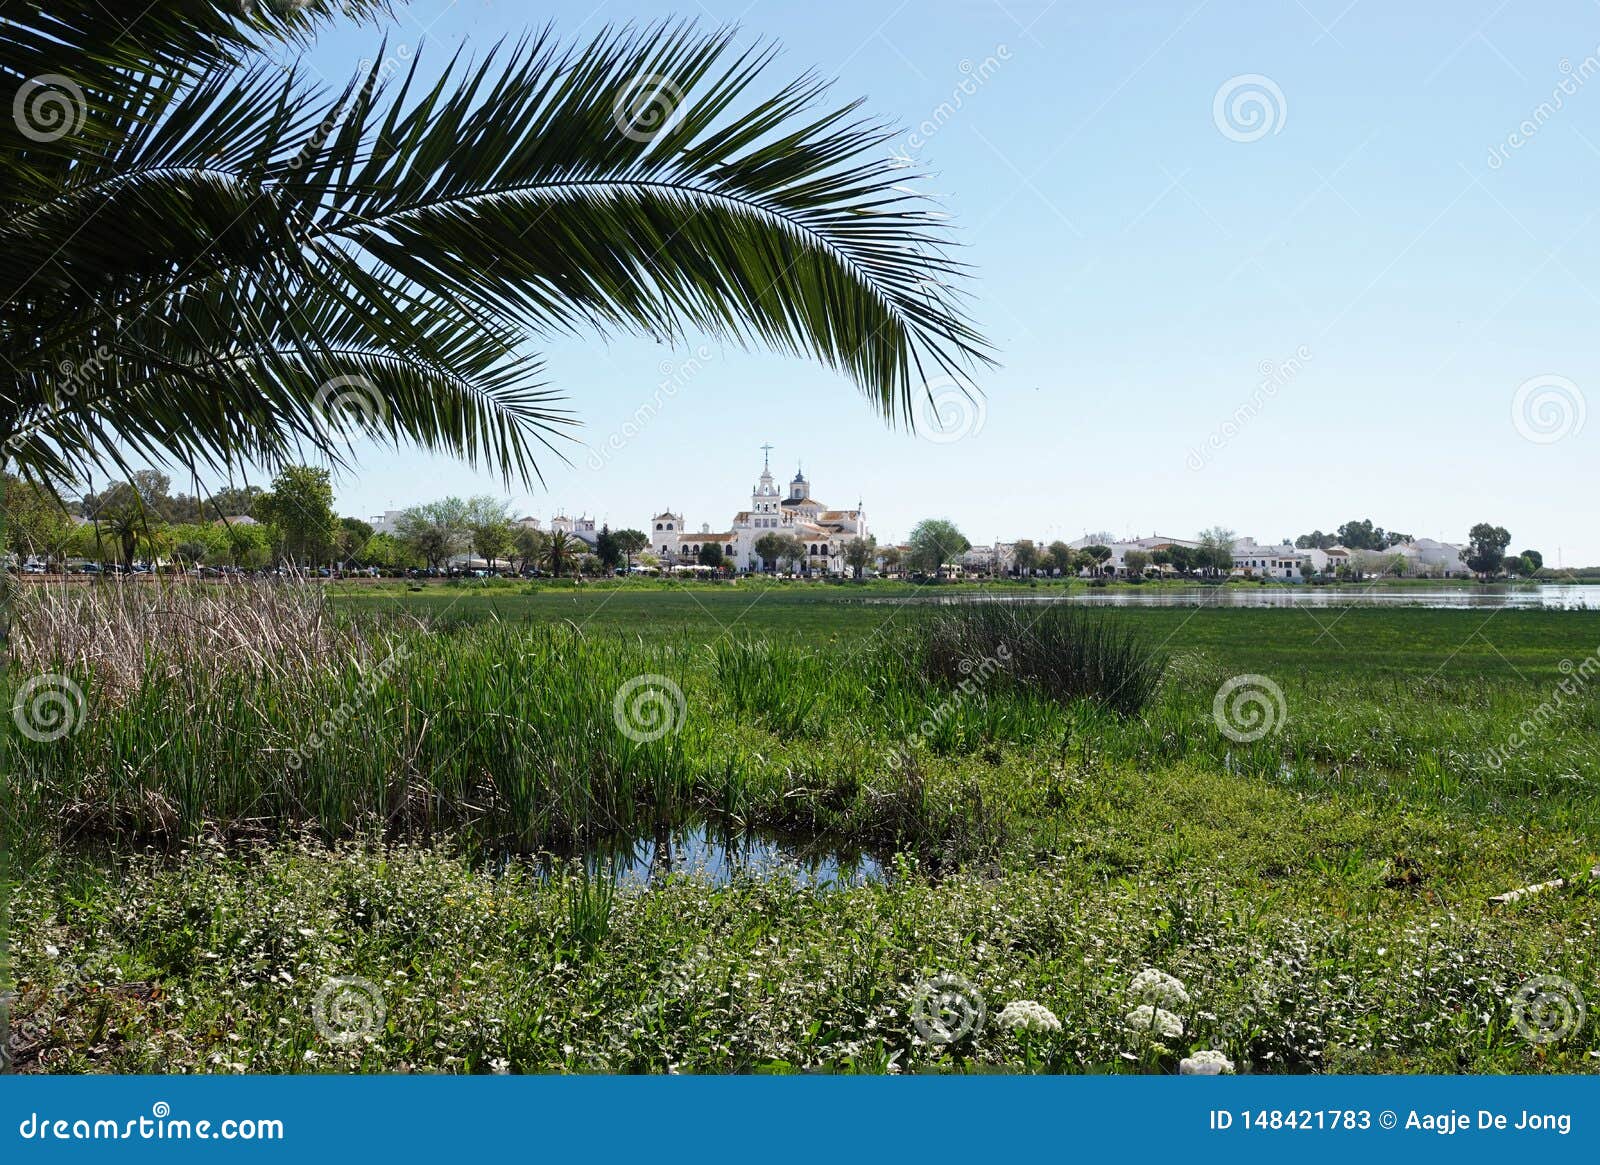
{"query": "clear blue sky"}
[(1138, 268)]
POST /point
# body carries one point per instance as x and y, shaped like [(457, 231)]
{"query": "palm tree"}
[(559, 548), (210, 260)]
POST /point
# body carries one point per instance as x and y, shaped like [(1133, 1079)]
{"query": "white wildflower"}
[(1158, 988), (1207, 1063), (1026, 1015), (1148, 1020)]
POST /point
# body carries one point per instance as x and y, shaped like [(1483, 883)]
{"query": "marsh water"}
[(1548, 597), (719, 857)]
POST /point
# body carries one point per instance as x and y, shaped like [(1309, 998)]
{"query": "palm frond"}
[(240, 232)]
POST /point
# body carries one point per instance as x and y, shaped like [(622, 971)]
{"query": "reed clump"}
[(118, 632), (1065, 653)]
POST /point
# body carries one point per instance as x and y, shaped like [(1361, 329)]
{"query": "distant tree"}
[(1060, 557), (934, 542), (300, 506), (606, 549), (234, 502), (1512, 565), (1097, 554), (1183, 558), (248, 544), (1316, 540), (435, 531), (36, 524), (351, 539), (889, 556), (858, 554), (1026, 556), (629, 542), (1486, 549), (1534, 559), (193, 542), (1215, 552), (118, 513), (384, 550), (560, 548), (528, 546), (1360, 535), (1136, 561), (487, 523), (770, 547), (710, 555)]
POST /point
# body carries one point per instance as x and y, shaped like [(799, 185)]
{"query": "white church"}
[(823, 532)]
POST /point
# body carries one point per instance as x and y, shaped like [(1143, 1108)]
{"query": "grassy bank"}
[(227, 830)]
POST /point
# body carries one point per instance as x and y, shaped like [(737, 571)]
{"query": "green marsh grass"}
[(1323, 890)]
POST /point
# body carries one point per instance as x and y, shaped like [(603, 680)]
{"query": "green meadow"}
[(1303, 816)]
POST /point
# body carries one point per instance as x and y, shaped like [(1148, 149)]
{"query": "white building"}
[(996, 558), (1441, 558), (580, 528), (387, 522), (1117, 564), (1283, 562), (823, 532)]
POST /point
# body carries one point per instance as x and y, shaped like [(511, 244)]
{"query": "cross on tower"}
[(766, 458)]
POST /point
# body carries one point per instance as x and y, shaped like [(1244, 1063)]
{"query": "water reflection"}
[(720, 857), (1551, 597)]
